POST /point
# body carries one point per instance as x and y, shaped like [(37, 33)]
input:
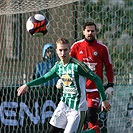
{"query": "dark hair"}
[(89, 24)]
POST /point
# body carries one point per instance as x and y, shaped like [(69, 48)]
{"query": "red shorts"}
[(93, 99)]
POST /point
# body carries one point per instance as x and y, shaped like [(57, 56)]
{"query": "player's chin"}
[(62, 57), (90, 38)]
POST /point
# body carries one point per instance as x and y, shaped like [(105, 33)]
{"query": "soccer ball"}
[(37, 25)]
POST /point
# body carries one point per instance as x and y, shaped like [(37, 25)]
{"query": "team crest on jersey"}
[(66, 79), (95, 53)]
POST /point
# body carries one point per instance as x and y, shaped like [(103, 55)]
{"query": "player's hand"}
[(109, 92), (106, 105), (59, 84), (22, 89)]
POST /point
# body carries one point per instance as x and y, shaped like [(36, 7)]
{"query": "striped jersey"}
[(74, 76)]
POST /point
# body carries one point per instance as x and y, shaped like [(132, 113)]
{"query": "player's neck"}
[(66, 61), (90, 41)]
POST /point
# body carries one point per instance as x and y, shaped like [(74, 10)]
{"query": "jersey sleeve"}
[(108, 66), (48, 76), (72, 51), (85, 71)]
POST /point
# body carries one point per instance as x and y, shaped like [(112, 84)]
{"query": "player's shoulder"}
[(78, 62), (101, 44), (80, 65), (57, 62), (77, 43), (56, 65)]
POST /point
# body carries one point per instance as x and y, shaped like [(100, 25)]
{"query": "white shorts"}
[(65, 118)]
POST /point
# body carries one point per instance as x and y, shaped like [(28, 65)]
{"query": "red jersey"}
[(96, 55)]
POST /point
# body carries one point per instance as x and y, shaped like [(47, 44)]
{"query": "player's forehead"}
[(91, 27), (62, 46)]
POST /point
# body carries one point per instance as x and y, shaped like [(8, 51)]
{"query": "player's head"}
[(89, 24), (63, 49), (90, 31)]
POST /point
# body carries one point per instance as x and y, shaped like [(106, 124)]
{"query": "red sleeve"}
[(108, 66), (72, 51)]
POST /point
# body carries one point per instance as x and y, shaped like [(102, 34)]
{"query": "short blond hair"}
[(62, 40)]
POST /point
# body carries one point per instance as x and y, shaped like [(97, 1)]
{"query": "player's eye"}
[(65, 50), (90, 30), (60, 50)]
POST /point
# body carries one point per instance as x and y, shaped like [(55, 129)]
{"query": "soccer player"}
[(73, 103), (95, 55)]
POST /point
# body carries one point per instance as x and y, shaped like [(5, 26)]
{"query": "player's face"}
[(63, 52), (90, 32)]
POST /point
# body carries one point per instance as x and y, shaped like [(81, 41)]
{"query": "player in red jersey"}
[(96, 55)]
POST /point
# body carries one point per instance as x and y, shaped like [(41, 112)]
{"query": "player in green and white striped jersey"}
[(73, 105)]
